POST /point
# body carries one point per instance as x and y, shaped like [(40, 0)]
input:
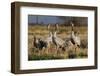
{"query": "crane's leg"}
[(76, 50)]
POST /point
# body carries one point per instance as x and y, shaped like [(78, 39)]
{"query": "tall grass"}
[(52, 53)]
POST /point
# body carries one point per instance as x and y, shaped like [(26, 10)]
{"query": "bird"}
[(39, 43), (75, 39)]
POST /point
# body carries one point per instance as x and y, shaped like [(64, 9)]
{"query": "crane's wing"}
[(59, 41)]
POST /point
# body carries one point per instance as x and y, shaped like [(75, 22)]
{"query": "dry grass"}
[(52, 53)]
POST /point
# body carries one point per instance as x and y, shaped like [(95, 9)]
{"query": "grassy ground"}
[(52, 53)]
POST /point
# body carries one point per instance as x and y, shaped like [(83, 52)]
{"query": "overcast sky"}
[(54, 19)]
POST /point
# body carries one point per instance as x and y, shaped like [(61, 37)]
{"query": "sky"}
[(41, 19)]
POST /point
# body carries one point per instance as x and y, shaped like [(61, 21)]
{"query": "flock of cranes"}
[(74, 39)]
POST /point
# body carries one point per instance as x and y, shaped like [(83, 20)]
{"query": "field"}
[(51, 52)]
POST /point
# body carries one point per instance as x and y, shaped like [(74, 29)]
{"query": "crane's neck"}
[(72, 27), (55, 34)]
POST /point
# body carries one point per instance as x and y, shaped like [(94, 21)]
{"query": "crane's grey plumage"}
[(57, 41)]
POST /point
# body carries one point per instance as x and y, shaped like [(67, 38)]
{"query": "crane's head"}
[(72, 24), (52, 30)]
